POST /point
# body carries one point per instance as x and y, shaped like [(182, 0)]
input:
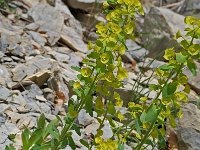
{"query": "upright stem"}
[(67, 127), (158, 113)]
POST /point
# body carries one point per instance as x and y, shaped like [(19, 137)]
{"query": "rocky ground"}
[(40, 40)]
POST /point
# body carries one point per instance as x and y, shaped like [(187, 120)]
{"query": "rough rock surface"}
[(160, 25), (188, 130)]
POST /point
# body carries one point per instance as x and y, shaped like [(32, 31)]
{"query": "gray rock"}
[(188, 129), (137, 52), (84, 118), (194, 81), (4, 93), (38, 38), (59, 56), (32, 66), (49, 20), (88, 5), (160, 25), (2, 119), (5, 130), (72, 39), (60, 6), (150, 63), (191, 8), (4, 75)]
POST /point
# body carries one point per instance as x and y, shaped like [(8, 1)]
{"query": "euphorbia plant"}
[(103, 73)]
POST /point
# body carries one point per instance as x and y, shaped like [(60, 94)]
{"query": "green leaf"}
[(181, 58), (76, 68), (166, 67), (151, 114), (25, 138), (10, 147), (77, 129), (169, 89), (143, 117), (89, 105), (41, 121), (120, 146), (71, 143), (35, 137), (85, 143), (111, 109), (192, 67)]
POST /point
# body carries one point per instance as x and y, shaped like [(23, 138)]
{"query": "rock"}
[(38, 38), (150, 63), (2, 119), (86, 5), (137, 52), (160, 25), (32, 66), (191, 8), (40, 77), (89, 20), (84, 118), (58, 84), (5, 130), (49, 21), (194, 81), (188, 129), (72, 39), (60, 6), (59, 56), (4, 75), (4, 93)]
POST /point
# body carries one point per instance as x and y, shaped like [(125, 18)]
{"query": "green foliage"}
[(4, 3), (103, 73)]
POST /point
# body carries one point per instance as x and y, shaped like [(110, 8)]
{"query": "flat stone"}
[(32, 66), (72, 39), (42, 15), (38, 38), (137, 52), (188, 129), (4, 93), (194, 81), (84, 118), (59, 56), (88, 5), (160, 25), (4, 75)]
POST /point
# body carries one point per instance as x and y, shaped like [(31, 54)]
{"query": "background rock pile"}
[(41, 39)]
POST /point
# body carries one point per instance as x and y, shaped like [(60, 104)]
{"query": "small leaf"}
[(166, 67), (76, 68), (120, 146), (181, 58), (192, 66), (25, 138), (169, 89), (111, 109), (10, 147), (77, 129), (85, 143), (89, 105), (71, 143), (41, 121), (35, 137), (151, 114)]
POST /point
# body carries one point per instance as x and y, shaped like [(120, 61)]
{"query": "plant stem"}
[(67, 127), (158, 113)]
